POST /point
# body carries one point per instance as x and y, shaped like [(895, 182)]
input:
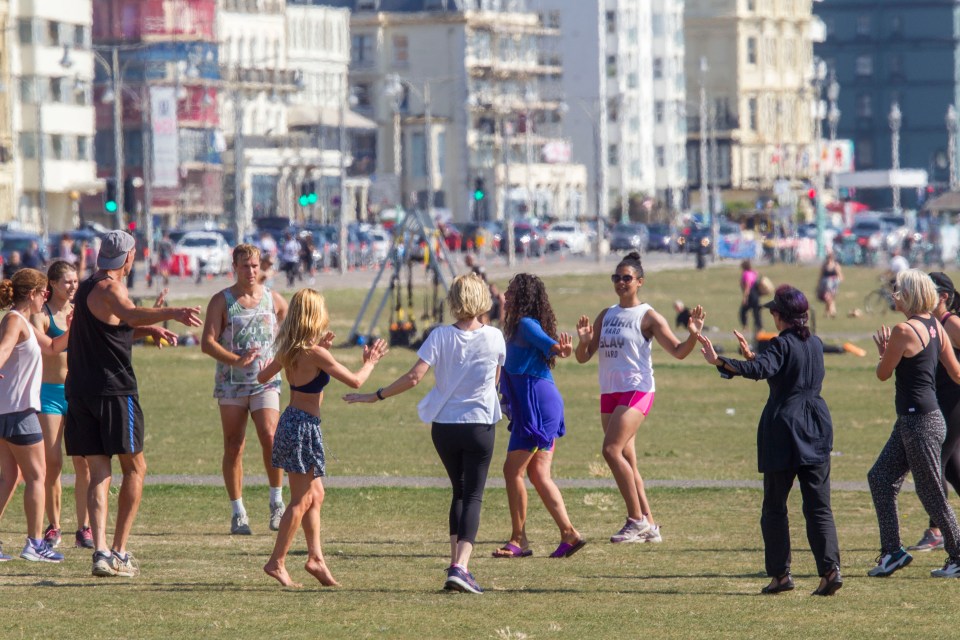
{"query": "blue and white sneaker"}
[(4, 557), (887, 563), (39, 551), (460, 580), (950, 570)]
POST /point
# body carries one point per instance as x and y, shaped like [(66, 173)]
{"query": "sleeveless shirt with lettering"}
[(247, 329), (626, 363)]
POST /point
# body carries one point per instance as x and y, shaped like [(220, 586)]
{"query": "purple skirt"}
[(535, 408)]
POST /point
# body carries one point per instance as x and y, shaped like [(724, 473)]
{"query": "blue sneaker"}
[(40, 551), (462, 581), (4, 557), (887, 563)]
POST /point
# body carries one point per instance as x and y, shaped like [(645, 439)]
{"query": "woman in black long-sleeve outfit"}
[(794, 439)]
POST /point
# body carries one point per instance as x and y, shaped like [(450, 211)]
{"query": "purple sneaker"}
[(460, 580)]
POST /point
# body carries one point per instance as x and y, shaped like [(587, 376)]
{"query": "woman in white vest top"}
[(623, 335)]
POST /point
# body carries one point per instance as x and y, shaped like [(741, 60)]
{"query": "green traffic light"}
[(312, 198), (304, 201), (478, 195), (110, 206)]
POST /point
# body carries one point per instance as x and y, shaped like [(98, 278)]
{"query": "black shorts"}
[(103, 426)]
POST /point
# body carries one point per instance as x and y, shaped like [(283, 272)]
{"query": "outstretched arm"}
[(371, 356), (671, 344), (404, 383), (589, 336), (117, 301)]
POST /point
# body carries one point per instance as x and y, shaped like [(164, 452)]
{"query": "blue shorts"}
[(521, 441), (52, 399)]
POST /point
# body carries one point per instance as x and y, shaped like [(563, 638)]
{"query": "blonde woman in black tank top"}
[(911, 350)]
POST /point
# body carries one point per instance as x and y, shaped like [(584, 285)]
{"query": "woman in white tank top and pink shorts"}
[(623, 335)]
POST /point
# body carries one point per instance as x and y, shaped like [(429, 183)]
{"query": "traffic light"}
[(129, 196), (311, 192), (110, 196), (479, 191), (812, 194), (304, 199)]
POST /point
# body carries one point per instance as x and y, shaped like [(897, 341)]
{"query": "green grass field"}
[(387, 546)]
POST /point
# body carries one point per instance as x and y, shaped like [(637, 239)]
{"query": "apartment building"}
[(623, 62), (48, 89), (468, 99), (894, 51), (757, 80), (165, 54), (7, 166)]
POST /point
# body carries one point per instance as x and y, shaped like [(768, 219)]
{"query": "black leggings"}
[(752, 304), (950, 452), (466, 451)]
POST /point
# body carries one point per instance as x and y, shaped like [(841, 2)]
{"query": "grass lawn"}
[(387, 547)]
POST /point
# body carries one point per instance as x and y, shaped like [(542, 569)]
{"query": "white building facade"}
[(52, 115), (639, 149)]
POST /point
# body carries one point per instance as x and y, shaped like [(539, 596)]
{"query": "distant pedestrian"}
[(749, 296), (290, 258), (302, 351), (831, 275)]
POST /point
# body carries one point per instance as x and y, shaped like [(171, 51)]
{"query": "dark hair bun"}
[(633, 255)]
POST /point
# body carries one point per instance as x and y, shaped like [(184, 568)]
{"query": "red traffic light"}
[(812, 194)]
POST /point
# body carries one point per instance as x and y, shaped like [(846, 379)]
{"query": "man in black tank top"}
[(103, 415)]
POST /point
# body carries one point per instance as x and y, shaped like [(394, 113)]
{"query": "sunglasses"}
[(626, 279)]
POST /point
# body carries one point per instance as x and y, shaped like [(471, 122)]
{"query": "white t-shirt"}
[(626, 363), (465, 367)]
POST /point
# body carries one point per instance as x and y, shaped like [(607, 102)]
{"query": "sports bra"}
[(314, 386), (53, 330)]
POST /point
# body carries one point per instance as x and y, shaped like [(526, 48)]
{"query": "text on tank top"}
[(99, 355), (916, 375), (246, 329), (20, 385), (626, 363)]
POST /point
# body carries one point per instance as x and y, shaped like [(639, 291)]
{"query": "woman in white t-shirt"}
[(623, 334), (463, 408)]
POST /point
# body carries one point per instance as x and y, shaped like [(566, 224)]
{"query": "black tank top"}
[(99, 354), (948, 391), (916, 376)]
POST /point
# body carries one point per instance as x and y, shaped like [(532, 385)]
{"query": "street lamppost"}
[(704, 166), (952, 145), (833, 112), (819, 111), (349, 101), (895, 119)]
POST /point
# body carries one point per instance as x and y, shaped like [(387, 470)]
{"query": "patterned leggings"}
[(913, 446)]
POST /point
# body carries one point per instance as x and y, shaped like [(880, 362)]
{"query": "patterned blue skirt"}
[(298, 444)]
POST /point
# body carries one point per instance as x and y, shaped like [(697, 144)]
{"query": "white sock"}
[(276, 494), (238, 509)]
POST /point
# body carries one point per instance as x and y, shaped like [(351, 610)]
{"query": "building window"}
[(613, 109), (751, 5), (657, 26), (632, 80), (864, 25), (752, 114), (418, 155), (83, 148), (658, 111), (864, 106), (26, 30), (896, 26), (751, 50), (401, 51), (59, 90), (661, 156), (81, 36), (613, 155), (864, 153), (611, 21), (361, 50), (657, 68), (29, 90), (55, 33), (362, 92), (896, 66), (864, 66), (611, 66), (57, 147), (28, 145), (635, 169)]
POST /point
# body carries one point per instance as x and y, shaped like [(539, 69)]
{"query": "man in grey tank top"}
[(238, 333)]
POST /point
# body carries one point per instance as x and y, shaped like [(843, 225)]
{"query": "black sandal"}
[(832, 585), (780, 584)]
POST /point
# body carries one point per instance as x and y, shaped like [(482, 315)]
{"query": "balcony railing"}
[(280, 78), (253, 6)]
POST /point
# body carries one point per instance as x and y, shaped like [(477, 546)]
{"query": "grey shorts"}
[(21, 428)]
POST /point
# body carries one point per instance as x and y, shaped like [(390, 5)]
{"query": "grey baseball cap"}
[(114, 247)]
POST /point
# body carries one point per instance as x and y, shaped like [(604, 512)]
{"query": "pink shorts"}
[(642, 401)]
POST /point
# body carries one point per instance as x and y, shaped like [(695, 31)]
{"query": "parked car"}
[(20, 241), (452, 236), (568, 235), (207, 251), (380, 244), (662, 237), (527, 240), (626, 237)]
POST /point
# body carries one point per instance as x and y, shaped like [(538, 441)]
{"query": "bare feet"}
[(279, 573), (318, 569)]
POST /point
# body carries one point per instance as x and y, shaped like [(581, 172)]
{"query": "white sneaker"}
[(651, 535), (631, 530), (276, 514), (240, 525), (950, 570)]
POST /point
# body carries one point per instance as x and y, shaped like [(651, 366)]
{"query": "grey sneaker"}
[(127, 567), (240, 525), (276, 512), (103, 564), (631, 531), (650, 535), (111, 564), (928, 542)]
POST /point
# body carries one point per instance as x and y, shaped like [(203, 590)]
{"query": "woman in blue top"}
[(535, 408)]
